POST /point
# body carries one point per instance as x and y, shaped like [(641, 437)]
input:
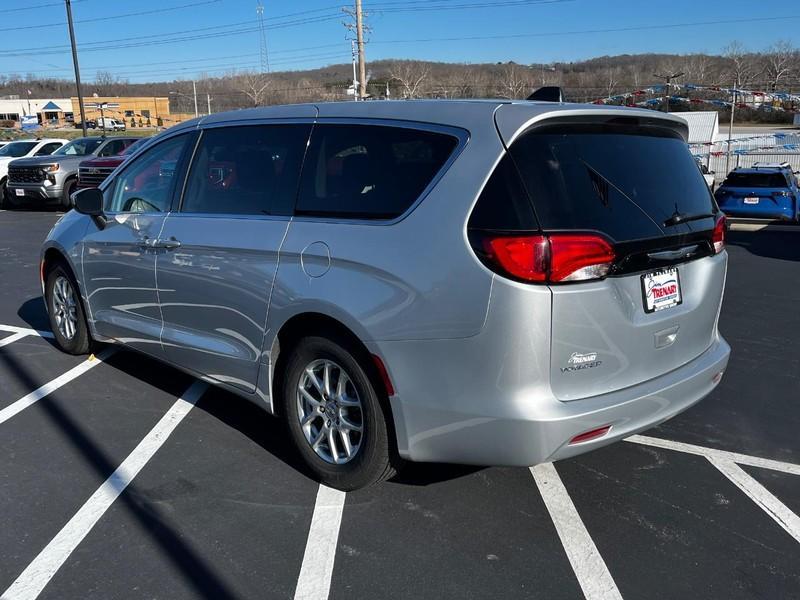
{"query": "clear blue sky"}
[(309, 33)]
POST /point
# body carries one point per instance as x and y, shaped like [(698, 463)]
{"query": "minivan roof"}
[(516, 114)]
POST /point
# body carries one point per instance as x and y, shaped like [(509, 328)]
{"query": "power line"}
[(586, 31), (123, 16), (22, 8), (435, 5)]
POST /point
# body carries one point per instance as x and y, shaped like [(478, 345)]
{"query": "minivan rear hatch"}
[(632, 181)]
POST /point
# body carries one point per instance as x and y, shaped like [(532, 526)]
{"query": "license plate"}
[(661, 289), (751, 200), (19, 192)]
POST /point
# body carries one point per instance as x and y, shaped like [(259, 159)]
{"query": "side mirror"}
[(89, 201)]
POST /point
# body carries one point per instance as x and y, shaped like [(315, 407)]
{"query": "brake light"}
[(719, 234), (551, 258), (524, 257)]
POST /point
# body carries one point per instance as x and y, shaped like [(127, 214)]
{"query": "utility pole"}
[(362, 65), (194, 87), (668, 80), (75, 63), (354, 56), (730, 132), (208, 99)]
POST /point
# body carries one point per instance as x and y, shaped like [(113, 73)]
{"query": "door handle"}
[(169, 244), (147, 242)]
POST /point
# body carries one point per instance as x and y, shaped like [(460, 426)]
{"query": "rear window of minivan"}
[(621, 179)]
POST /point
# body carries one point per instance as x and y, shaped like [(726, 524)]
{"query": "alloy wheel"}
[(330, 412), (65, 308)]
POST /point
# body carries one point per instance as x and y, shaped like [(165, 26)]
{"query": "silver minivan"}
[(482, 282)]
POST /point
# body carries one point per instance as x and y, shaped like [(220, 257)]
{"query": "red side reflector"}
[(592, 434), (719, 234), (387, 383)]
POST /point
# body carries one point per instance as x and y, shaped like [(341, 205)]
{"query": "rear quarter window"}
[(369, 171), (620, 179)]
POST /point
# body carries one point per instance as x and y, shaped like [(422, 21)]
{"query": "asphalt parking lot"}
[(123, 478)]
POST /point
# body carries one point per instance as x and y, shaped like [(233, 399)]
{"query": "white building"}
[(47, 110)]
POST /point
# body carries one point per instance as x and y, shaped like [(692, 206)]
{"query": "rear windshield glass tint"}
[(369, 171), (622, 180), (759, 180)]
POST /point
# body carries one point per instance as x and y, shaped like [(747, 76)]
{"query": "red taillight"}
[(579, 257), (553, 258), (719, 235), (524, 257)]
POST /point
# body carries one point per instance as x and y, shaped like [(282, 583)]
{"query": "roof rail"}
[(771, 165)]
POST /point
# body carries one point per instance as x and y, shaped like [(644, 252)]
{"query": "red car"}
[(93, 172)]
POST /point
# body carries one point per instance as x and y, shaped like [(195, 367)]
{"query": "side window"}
[(504, 204), (112, 148), (246, 170), (48, 149), (147, 184), (369, 171)]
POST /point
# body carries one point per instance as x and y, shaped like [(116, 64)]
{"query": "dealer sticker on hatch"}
[(661, 289)]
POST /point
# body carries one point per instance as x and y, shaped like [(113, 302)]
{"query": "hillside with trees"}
[(776, 68)]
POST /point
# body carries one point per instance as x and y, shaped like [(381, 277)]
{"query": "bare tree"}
[(742, 66), (781, 58), (411, 75), (516, 82), (254, 86), (611, 80), (104, 79), (697, 68)]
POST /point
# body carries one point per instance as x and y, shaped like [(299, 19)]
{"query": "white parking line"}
[(51, 386), (37, 574), (742, 459), (12, 338), (26, 331), (589, 567), (314, 582), (776, 509)]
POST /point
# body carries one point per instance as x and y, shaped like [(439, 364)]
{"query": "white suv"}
[(20, 149)]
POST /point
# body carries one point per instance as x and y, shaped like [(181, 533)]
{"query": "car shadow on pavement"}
[(257, 424), (34, 313), (198, 573), (773, 241)]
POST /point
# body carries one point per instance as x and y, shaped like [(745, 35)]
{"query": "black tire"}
[(375, 458), (69, 187), (4, 203), (79, 342)]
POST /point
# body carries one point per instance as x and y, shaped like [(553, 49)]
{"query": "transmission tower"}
[(262, 38)]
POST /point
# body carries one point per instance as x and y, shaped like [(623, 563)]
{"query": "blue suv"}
[(763, 191)]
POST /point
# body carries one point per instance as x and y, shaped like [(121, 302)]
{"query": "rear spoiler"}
[(548, 93)]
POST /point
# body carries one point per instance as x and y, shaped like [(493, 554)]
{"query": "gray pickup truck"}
[(52, 179)]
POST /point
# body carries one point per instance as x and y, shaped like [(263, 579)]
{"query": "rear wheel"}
[(4, 193), (334, 414), (65, 309)]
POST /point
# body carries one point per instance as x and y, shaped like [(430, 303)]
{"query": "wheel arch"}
[(315, 323)]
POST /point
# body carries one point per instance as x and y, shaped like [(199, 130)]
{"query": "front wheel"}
[(334, 414), (69, 187), (65, 310)]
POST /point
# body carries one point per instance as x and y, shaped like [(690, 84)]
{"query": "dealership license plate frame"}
[(752, 200), (662, 275), (19, 192)]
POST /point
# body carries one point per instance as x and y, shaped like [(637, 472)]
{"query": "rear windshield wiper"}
[(678, 218)]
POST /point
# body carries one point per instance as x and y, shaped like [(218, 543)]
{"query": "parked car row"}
[(46, 171)]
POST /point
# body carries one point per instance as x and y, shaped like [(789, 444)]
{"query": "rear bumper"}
[(762, 210), (542, 431)]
